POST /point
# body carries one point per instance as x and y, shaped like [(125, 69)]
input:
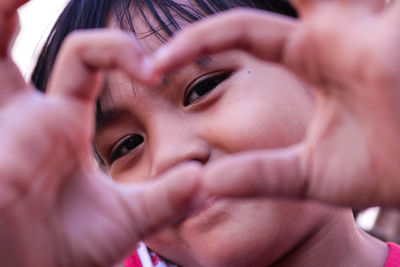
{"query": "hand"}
[(348, 51), (56, 207)]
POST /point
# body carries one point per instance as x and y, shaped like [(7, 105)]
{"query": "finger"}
[(269, 174), (144, 210), (259, 33), (163, 201), (8, 23), (308, 7), (84, 53), (305, 7), (11, 79), (112, 217), (393, 12)]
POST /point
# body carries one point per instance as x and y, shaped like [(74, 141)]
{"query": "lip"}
[(210, 202)]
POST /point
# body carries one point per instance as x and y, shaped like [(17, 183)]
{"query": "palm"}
[(57, 189)]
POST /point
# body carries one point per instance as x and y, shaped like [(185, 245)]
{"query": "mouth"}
[(209, 203)]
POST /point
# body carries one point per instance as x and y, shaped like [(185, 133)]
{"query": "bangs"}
[(165, 14), (169, 14)]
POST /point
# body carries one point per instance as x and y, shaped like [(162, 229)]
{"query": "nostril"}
[(172, 154), (202, 161)]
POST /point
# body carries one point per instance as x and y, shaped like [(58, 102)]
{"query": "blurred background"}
[(36, 20)]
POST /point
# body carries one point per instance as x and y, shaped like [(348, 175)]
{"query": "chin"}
[(236, 233), (213, 214)]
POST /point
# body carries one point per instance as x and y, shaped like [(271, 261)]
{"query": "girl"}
[(219, 105)]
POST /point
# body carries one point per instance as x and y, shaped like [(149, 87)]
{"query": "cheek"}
[(262, 117), (167, 243)]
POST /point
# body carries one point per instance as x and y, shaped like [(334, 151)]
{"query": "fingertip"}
[(162, 55), (194, 164), (144, 72), (193, 172), (184, 178), (11, 5), (147, 69), (164, 60), (214, 175)]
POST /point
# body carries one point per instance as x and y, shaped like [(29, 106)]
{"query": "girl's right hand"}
[(56, 207)]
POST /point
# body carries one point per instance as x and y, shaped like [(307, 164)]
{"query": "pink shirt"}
[(142, 257), (393, 259)]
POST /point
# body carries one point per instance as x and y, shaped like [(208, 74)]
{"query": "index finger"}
[(85, 53), (276, 173), (259, 33)]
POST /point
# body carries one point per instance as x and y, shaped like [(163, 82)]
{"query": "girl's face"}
[(228, 103)]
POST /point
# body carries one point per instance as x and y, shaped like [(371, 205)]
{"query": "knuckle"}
[(258, 166), (113, 40)]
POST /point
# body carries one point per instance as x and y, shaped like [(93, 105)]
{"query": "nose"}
[(176, 143)]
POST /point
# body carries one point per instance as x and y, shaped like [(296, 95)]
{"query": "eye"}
[(125, 146), (203, 86)]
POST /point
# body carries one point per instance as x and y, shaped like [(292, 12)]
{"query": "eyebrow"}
[(104, 118), (110, 116), (202, 62)]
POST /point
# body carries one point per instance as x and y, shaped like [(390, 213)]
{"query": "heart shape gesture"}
[(348, 51), (51, 191)]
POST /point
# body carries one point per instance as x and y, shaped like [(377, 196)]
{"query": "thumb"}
[(111, 218), (277, 173), (163, 201)]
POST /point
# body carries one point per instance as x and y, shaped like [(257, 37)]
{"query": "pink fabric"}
[(133, 261), (393, 259), (136, 259), (142, 257)]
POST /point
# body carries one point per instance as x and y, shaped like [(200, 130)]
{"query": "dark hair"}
[(91, 14)]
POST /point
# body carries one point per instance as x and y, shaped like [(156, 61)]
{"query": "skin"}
[(258, 106), (50, 209), (54, 148), (347, 51)]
